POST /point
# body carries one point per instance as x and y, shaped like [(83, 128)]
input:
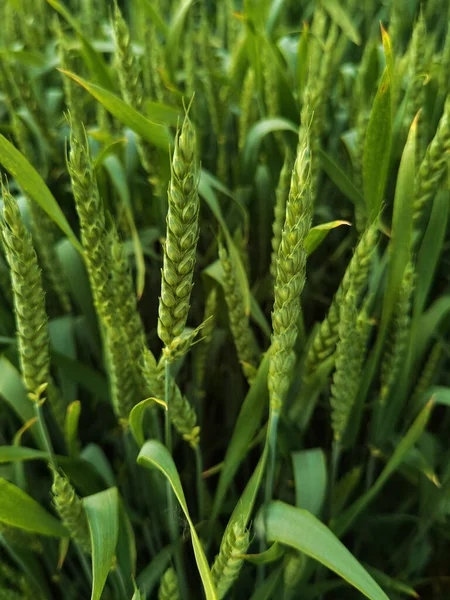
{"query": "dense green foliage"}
[(224, 299)]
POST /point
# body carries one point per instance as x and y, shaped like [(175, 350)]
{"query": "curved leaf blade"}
[(155, 454), (34, 187), (299, 529), (152, 132), (18, 509), (102, 511)]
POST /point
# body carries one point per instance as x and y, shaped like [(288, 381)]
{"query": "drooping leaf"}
[(340, 16), (152, 132), (154, 454), (34, 187), (299, 529), (102, 511), (18, 509)]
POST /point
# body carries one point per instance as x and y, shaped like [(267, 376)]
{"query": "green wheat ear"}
[(70, 508), (350, 354), (182, 414), (168, 589), (181, 238), (434, 165), (239, 323), (229, 561), (290, 277), (29, 307), (398, 336), (355, 277), (282, 194)]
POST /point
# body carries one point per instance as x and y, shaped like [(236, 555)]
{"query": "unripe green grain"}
[(202, 349), (290, 278), (350, 355), (398, 336), (71, 510), (182, 414), (181, 238), (168, 590), (239, 322), (281, 196), (247, 106), (434, 165), (126, 306), (427, 374), (130, 82), (229, 561), (29, 305), (92, 222), (356, 276)]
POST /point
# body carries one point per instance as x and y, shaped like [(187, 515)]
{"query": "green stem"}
[(44, 433), (173, 529), (335, 458), (200, 483)]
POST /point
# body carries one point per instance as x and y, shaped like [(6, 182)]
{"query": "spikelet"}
[(168, 590), (126, 61), (181, 238), (72, 91), (21, 538), (70, 508), (350, 355), (92, 222), (416, 92), (444, 75), (44, 241), (290, 278), (202, 351), (130, 83), (15, 585), (282, 194), (29, 305), (434, 165), (239, 322), (312, 115), (356, 276), (241, 245), (181, 413), (125, 392), (5, 281), (247, 105), (394, 356), (207, 60), (428, 373), (229, 561), (128, 316)]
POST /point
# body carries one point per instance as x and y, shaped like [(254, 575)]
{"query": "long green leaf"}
[(154, 454), (255, 137), (377, 148), (154, 14), (340, 178), (343, 523), (175, 34), (247, 424), (102, 511), (310, 477), (339, 15), (92, 58), (152, 132), (299, 529), (18, 509), (402, 225), (34, 187), (14, 393), (317, 234)]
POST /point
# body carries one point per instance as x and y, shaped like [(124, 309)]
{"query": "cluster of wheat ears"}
[(224, 299)]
